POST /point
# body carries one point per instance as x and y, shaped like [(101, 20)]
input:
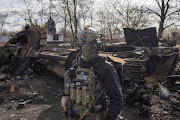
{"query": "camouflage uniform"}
[(84, 90), (86, 85)]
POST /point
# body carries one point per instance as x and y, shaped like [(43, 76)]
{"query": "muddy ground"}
[(37, 97)]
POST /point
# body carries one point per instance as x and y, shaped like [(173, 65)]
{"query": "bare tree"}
[(83, 11), (66, 10), (116, 14), (3, 17), (108, 21), (32, 12), (166, 14), (130, 15), (58, 11), (43, 12), (91, 12), (86, 12), (73, 13)]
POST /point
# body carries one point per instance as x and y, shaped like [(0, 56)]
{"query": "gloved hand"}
[(63, 102)]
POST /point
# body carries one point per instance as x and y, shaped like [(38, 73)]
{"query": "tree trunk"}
[(110, 34), (70, 18), (161, 29), (75, 17), (162, 19), (64, 32)]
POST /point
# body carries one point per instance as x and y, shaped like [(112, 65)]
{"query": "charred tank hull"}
[(21, 51)]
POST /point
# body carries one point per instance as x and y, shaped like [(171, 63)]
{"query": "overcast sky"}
[(6, 4), (9, 5)]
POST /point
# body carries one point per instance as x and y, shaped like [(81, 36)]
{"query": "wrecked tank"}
[(144, 58), (149, 71), (19, 53)]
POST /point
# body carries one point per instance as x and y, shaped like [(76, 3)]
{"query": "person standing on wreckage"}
[(88, 83)]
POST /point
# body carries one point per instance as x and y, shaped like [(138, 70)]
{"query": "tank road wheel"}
[(25, 41)]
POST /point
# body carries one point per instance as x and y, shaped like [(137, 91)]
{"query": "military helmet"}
[(88, 34)]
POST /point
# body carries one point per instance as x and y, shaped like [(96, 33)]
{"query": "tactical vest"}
[(84, 90)]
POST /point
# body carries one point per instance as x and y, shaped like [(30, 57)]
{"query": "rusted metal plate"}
[(145, 37)]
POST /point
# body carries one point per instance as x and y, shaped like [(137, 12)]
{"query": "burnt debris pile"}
[(149, 74)]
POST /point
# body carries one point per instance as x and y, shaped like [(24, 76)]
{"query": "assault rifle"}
[(69, 114)]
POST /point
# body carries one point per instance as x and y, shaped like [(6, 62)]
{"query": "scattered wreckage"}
[(18, 84), (142, 64), (149, 71)]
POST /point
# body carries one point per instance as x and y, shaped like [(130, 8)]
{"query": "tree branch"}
[(158, 4), (166, 8), (154, 12), (176, 11), (168, 26)]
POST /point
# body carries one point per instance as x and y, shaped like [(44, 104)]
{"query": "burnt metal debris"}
[(146, 37), (15, 53), (148, 62), (18, 54), (144, 62)]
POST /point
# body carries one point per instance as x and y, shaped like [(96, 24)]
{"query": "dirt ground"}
[(38, 98), (34, 99)]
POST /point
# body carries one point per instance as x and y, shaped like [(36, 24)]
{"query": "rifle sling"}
[(87, 110)]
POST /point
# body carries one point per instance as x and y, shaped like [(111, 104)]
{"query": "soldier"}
[(89, 82)]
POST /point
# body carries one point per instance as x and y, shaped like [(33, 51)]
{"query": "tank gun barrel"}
[(38, 55), (52, 57)]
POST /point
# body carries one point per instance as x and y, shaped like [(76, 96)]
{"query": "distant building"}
[(57, 38), (52, 37)]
